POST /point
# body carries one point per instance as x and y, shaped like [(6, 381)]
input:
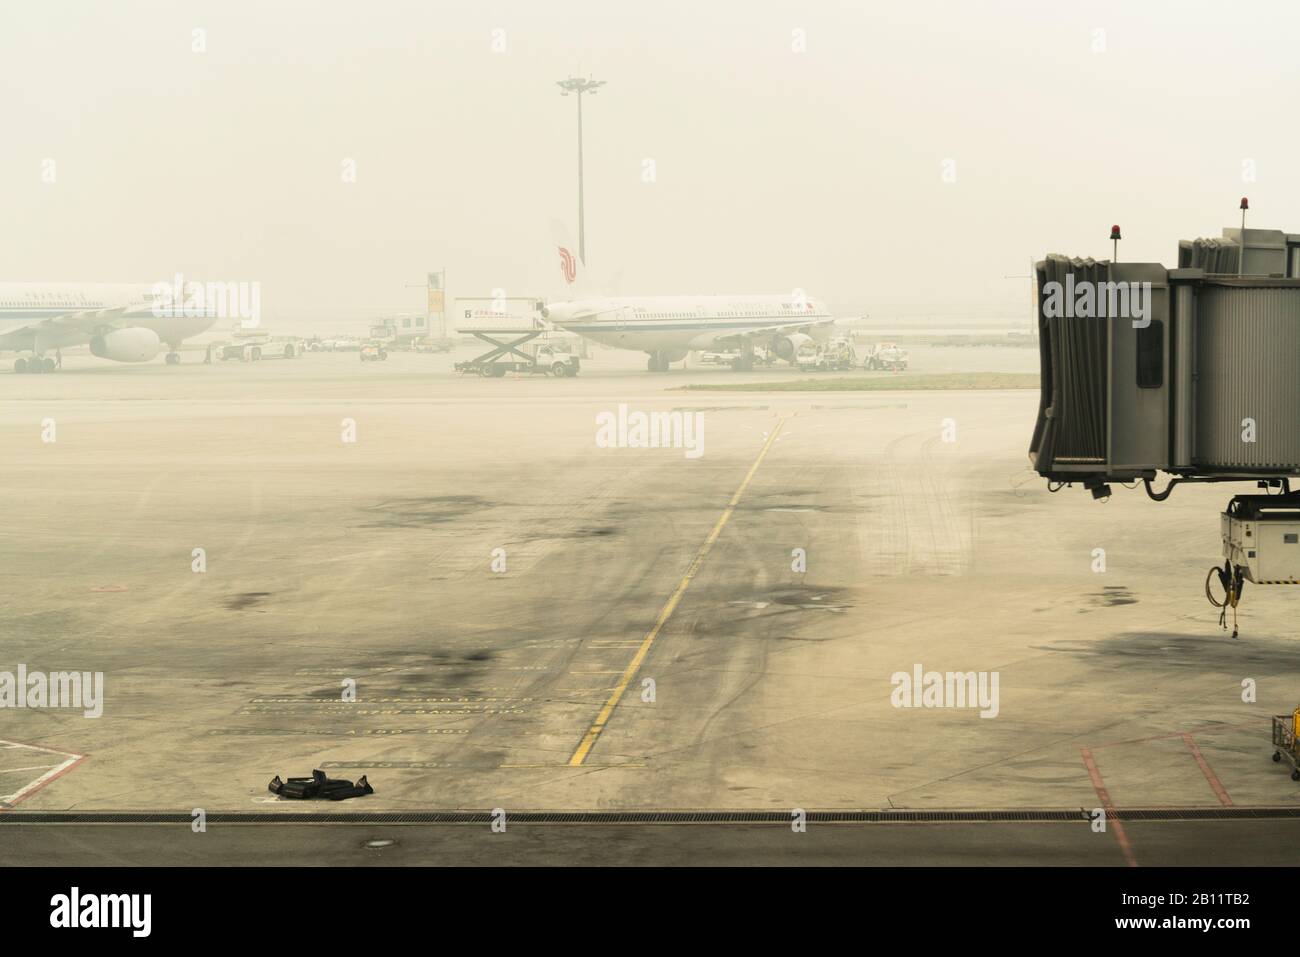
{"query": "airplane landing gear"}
[(173, 358), (35, 364), (744, 362), (661, 360)]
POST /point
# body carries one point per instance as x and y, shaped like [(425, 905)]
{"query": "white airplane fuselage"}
[(30, 314), (678, 324)]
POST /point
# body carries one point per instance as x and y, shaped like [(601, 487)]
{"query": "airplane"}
[(118, 321), (668, 327)]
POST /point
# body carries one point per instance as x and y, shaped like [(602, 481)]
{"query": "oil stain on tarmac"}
[(246, 599), (423, 512)]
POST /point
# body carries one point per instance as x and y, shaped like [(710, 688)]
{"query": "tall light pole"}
[(580, 86)]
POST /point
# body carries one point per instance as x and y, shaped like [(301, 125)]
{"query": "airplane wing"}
[(60, 327), (708, 339)]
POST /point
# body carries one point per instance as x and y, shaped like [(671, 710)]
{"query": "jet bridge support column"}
[(1183, 362)]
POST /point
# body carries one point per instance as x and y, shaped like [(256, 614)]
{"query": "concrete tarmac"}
[(721, 631)]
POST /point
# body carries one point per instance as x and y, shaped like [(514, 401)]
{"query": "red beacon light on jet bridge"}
[(1245, 203), (1114, 231)]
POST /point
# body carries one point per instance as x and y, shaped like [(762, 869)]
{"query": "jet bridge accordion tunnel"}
[(1193, 371)]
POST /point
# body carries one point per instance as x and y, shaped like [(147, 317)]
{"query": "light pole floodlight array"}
[(578, 85)]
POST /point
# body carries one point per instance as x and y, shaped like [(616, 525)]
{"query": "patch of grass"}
[(885, 382), (1009, 341)]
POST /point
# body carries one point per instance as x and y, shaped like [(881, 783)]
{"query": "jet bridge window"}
[(1151, 355)]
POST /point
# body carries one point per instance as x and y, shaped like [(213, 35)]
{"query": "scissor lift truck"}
[(508, 356)]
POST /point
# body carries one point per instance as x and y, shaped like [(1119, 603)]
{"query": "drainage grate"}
[(882, 816)]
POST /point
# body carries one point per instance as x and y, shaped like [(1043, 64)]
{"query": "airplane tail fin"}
[(573, 279)]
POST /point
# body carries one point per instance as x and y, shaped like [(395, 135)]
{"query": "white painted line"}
[(12, 799), (35, 747), (34, 767), (52, 770)]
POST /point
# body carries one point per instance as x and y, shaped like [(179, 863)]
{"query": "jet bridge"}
[(1192, 371)]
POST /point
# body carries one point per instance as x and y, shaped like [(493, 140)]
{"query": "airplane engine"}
[(786, 347), (135, 344)]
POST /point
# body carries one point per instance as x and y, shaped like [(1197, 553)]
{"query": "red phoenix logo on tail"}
[(568, 266)]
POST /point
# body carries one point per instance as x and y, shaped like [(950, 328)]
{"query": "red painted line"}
[(40, 787), (1175, 734), (44, 780), (1215, 784), (1113, 823)]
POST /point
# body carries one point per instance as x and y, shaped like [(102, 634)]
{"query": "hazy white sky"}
[(775, 169)]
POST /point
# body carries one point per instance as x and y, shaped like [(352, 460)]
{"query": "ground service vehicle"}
[(545, 360), (885, 356), (257, 348), (431, 344), (839, 355)]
